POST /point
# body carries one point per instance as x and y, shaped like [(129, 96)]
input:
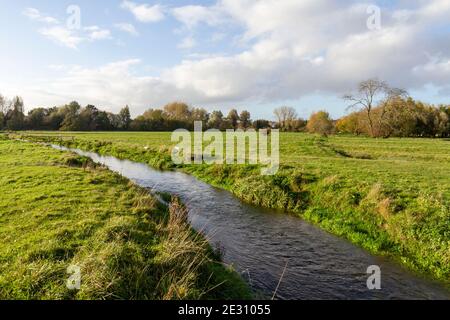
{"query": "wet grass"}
[(58, 209), (390, 196)]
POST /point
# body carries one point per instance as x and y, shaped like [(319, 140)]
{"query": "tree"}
[(350, 124), (15, 118), (369, 92), (298, 124), (261, 124), (103, 123), (3, 105), (55, 118), (2, 111), (215, 120), (152, 119), (36, 119), (320, 122), (71, 120), (233, 117), (285, 116), (177, 111), (114, 120), (125, 118), (200, 114), (88, 119), (399, 118), (245, 119)]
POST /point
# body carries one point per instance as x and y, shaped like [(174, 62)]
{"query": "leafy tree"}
[(89, 118), (114, 120), (350, 124), (151, 120), (245, 119), (177, 111), (3, 111), (15, 118), (261, 124), (298, 124), (55, 118), (200, 114), (320, 122), (72, 121), (125, 118), (103, 123), (36, 119), (233, 117), (215, 120)]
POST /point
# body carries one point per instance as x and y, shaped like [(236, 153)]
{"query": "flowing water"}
[(266, 246)]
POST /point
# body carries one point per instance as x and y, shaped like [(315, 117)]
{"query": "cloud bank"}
[(290, 49)]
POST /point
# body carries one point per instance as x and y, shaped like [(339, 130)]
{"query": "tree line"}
[(378, 110), (74, 117)]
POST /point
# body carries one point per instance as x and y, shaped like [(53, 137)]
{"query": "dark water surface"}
[(261, 243)]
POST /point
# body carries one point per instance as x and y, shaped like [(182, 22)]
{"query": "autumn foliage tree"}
[(321, 123)]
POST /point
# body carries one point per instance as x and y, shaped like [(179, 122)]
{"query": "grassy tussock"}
[(182, 255)]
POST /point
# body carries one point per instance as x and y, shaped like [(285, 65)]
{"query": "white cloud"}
[(192, 15), (62, 36), (187, 43), (144, 12), (72, 38), (96, 33), (301, 47), (110, 87), (35, 14), (127, 27)]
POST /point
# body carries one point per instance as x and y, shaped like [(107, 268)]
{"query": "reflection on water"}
[(260, 242)]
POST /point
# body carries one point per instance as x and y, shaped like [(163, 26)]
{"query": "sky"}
[(221, 54)]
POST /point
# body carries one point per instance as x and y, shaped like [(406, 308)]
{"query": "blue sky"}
[(252, 54)]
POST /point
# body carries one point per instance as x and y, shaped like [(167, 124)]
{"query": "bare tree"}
[(285, 116), (371, 93)]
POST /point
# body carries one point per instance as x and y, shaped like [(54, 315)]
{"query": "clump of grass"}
[(384, 208), (180, 257), (74, 160)]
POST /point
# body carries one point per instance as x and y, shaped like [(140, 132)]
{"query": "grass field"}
[(390, 196), (58, 209)]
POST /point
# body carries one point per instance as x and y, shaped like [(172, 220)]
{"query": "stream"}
[(265, 246)]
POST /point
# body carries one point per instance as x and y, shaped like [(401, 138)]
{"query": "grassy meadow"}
[(58, 209), (390, 196)]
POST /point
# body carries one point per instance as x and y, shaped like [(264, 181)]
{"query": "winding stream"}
[(262, 243)]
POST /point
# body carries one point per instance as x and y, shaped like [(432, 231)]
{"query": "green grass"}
[(58, 209), (390, 196)]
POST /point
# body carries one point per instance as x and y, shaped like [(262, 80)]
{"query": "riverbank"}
[(60, 210), (389, 197)]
